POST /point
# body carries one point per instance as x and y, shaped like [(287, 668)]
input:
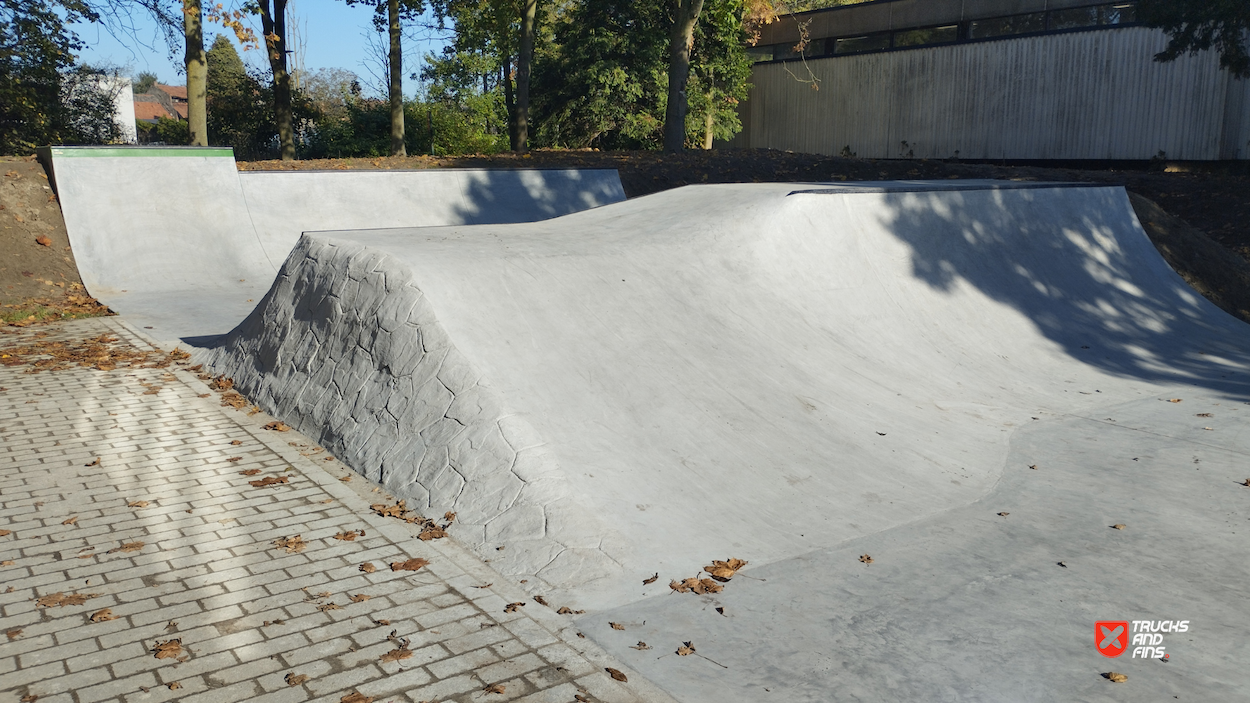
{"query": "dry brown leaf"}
[(138, 504), (234, 459), (494, 688), (448, 517), (127, 547), (381, 622), (233, 400), (616, 626), (70, 521), (292, 545), (685, 649), (294, 679), (7, 562), (270, 481), (1003, 514), (580, 698), (1205, 415), (356, 697), (42, 240), (94, 463), (174, 685), (648, 582), (641, 646), (541, 601), (221, 383), (249, 472), (368, 567), (396, 510), (432, 532), (5, 533), (616, 675), (396, 654), (1033, 466), (236, 442), (13, 634), (29, 698), (277, 426), (329, 606), (512, 607), (59, 599), (1119, 526), (345, 479), (1174, 400), (103, 615), (1114, 677), (697, 586), (347, 536), (724, 570), (359, 598), (410, 565), (169, 649)]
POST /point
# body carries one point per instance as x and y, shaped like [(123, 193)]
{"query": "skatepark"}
[(948, 426)]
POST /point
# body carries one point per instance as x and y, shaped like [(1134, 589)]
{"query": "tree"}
[(1194, 26), (239, 105), (273, 24), (197, 72), (680, 41), (390, 14), (143, 83)]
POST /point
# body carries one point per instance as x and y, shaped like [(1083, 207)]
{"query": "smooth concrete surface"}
[(184, 245), (747, 371)]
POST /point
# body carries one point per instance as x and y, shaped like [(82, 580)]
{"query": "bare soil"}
[(1197, 216)]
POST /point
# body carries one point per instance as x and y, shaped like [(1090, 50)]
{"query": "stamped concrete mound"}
[(757, 371)]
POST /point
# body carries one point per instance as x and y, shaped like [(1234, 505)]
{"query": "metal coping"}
[(937, 186), (130, 151)]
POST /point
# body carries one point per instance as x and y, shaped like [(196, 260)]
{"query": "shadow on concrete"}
[(1100, 290)]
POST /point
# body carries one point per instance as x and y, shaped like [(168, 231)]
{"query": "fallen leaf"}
[(396, 510), (13, 634), (7, 562), (382, 622), (356, 697), (103, 615), (368, 567), (616, 626), (724, 570), (1003, 514), (432, 532), (294, 679), (138, 504), (647, 582), (1209, 429), (1033, 466), (345, 479), (494, 688), (1118, 526), (359, 598), (1114, 677), (234, 459), (59, 599), (70, 521), (237, 442), (249, 472), (233, 400), (329, 606), (168, 649), (270, 481), (127, 547), (397, 654), (641, 646), (512, 607), (221, 383), (5, 533), (685, 649), (616, 674), (1174, 400), (580, 698), (42, 240), (171, 626), (29, 698), (1205, 415), (94, 463), (449, 517), (1062, 564), (349, 536), (541, 601), (277, 426), (696, 585), (292, 545), (865, 558), (410, 565)]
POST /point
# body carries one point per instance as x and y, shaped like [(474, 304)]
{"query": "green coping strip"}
[(66, 152)]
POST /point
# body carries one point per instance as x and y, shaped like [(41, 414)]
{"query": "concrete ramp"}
[(754, 371), (183, 244)]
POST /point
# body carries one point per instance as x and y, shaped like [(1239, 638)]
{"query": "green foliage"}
[(35, 50), (1194, 26), (88, 106), (365, 131), (240, 106), (143, 83), (604, 82)]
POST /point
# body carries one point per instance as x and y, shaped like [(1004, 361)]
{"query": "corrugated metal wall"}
[(1082, 95)]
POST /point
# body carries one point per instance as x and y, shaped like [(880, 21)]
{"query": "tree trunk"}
[(273, 22), (509, 100), (708, 123), (397, 81), (197, 72), (679, 42), (524, 59)]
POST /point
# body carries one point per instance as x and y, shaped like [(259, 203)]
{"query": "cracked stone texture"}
[(347, 349)]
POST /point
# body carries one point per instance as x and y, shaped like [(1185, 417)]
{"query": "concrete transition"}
[(969, 384), (181, 241)]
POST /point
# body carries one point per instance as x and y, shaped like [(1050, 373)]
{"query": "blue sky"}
[(334, 38)]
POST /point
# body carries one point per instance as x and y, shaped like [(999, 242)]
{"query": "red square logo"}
[(1111, 637)]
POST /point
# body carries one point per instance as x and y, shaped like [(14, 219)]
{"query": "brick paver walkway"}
[(170, 549)]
